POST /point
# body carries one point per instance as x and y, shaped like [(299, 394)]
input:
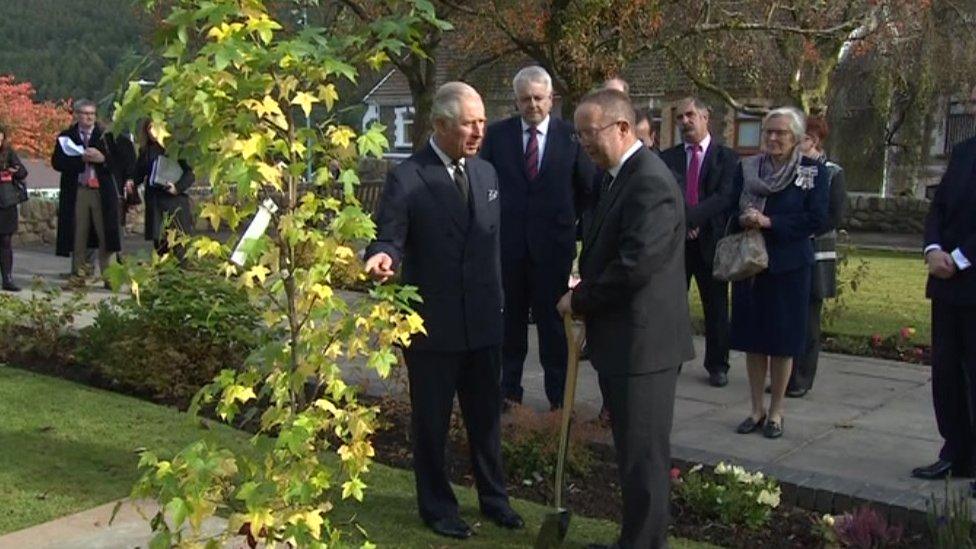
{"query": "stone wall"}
[(38, 222), (871, 213)]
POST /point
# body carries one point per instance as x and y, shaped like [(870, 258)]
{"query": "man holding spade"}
[(632, 299)]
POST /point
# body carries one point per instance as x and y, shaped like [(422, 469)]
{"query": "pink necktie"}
[(532, 154), (691, 178)]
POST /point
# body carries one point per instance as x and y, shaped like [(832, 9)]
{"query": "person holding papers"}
[(166, 181), (89, 198)]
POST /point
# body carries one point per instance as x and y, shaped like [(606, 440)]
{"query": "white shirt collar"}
[(542, 127), (447, 160), (704, 143), (630, 152)]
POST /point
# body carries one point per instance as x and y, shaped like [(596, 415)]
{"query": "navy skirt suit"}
[(769, 310)]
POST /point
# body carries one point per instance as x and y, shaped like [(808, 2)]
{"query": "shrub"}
[(186, 327), (866, 528), (530, 443), (37, 327), (729, 494)]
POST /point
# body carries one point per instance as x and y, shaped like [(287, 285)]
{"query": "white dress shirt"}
[(447, 160), (616, 169), (704, 144)]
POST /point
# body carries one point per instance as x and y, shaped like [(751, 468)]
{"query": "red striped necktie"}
[(532, 153)]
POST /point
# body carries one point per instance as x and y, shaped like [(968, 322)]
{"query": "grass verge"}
[(890, 295)]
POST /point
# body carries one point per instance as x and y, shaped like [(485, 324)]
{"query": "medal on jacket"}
[(6, 176)]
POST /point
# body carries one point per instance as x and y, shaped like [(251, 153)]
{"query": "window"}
[(960, 124), (748, 131), (402, 122)]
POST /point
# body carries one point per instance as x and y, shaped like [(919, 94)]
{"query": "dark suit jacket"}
[(951, 223), (716, 194), (452, 258), (633, 292), (538, 218), (796, 215)]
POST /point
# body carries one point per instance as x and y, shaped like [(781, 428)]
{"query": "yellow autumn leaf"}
[(328, 95), (250, 147), (321, 290), (270, 174), (305, 100), (259, 272), (341, 136), (416, 323)]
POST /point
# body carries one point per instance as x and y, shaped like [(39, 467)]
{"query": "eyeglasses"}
[(87, 113), (778, 133), (590, 134)]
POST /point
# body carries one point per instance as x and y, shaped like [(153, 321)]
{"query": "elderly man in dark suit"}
[(438, 223), (544, 178), (632, 298), (950, 250), (705, 172)]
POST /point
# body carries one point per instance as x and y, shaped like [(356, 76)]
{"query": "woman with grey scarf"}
[(784, 196)]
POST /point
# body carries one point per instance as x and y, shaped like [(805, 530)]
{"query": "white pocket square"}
[(492, 194)]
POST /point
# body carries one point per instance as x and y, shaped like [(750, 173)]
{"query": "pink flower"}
[(907, 332), (675, 473), (876, 340)]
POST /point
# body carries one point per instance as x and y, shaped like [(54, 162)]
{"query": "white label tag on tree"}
[(255, 230)]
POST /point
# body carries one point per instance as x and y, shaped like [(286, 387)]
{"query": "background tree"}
[(418, 65), (71, 49), (579, 42), (33, 125), (232, 100)]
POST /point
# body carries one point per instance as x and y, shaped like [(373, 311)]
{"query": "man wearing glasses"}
[(89, 198), (631, 295)]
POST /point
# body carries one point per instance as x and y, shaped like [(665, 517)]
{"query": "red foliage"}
[(33, 126)]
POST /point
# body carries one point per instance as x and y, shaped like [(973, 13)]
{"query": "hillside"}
[(72, 48)]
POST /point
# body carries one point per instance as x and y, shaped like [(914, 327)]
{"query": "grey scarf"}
[(760, 179)]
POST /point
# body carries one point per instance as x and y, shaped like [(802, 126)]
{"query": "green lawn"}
[(891, 295), (66, 447)]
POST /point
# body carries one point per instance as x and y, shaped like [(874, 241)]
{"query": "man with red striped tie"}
[(544, 182)]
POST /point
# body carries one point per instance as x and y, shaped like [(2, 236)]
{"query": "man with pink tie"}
[(705, 172)]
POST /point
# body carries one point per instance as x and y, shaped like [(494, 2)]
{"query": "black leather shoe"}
[(773, 429), (718, 379), (9, 286), (506, 518), (451, 528), (796, 392), (941, 469), (749, 425)]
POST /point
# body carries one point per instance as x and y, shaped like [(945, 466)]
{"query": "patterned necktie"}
[(532, 153), (691, 178), (88, 174), (461, 180)]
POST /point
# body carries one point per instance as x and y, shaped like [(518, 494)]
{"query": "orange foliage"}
[(33, 126)]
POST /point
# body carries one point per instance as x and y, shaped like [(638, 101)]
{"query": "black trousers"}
[(537, 286), (954, 378), (715, 304), (805, 365), (435, 378), (641, 413)]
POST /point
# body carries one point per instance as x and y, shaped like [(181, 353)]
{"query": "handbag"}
[(12, 193), (739, 256)]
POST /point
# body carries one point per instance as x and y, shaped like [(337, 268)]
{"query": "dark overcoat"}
[(70, 167), (160, 205)]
